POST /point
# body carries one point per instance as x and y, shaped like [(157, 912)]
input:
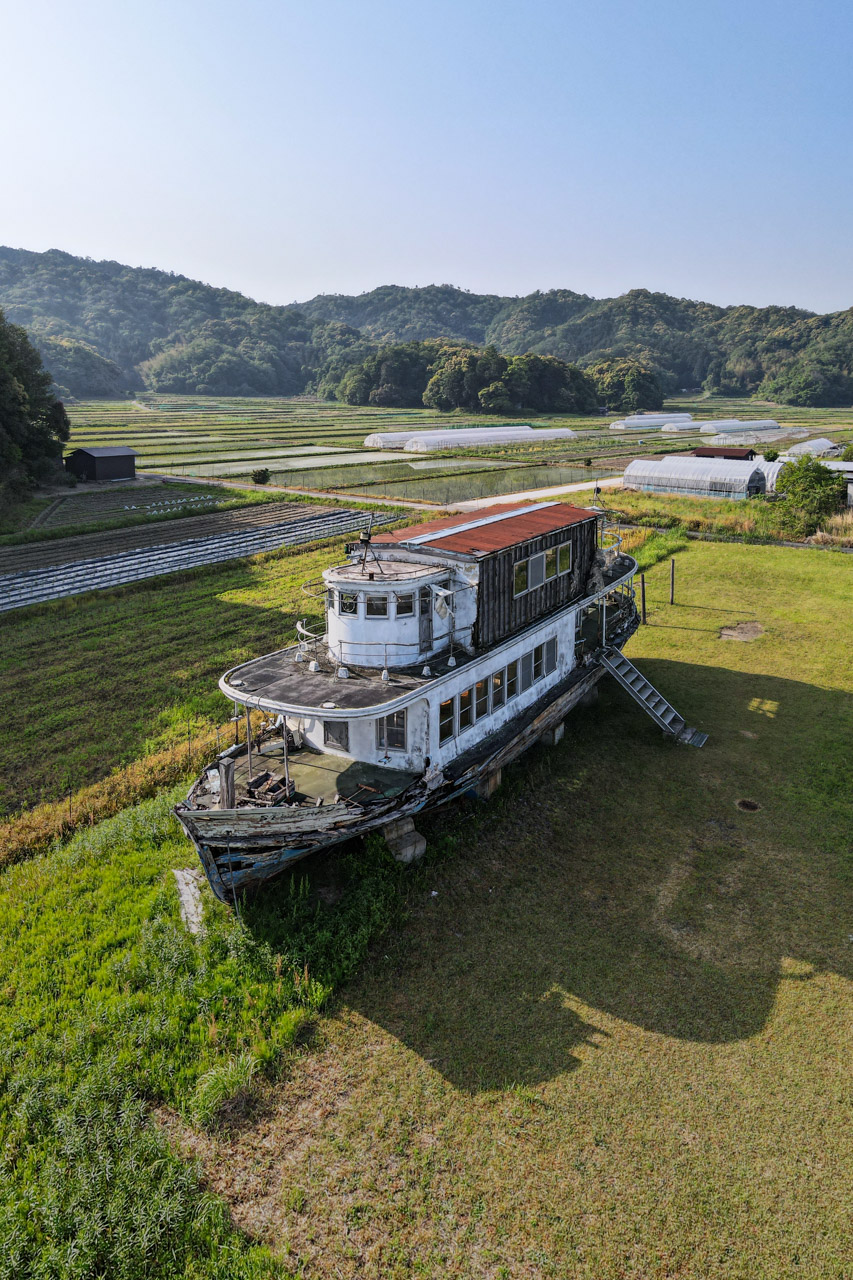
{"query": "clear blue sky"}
[(700, 147)]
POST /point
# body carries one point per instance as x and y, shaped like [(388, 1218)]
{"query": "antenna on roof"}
[(364, 539)]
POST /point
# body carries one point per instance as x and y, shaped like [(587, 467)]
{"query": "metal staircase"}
[(643, 692)]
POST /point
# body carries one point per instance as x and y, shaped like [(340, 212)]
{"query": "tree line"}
[(108, 329)]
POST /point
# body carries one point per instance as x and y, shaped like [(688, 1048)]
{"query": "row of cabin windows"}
[(379, 606), (494, 691), (390, 733), (536, 570)]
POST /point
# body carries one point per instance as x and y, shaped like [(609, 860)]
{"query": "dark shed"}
[(114, 462), (722, 451)]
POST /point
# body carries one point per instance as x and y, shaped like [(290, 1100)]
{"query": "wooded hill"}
[(105, 328)]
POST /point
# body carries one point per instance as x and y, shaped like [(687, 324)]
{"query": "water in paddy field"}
[(474, 482)]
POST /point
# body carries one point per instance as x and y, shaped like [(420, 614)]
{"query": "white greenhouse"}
[(669, 428), (695, 477), (398, 439), (819, 448), (738, 424), (771, 472), (647, 421), (732, 438), (484, 438)]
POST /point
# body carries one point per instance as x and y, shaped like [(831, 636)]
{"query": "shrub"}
[(261, 475), (228, 1083)]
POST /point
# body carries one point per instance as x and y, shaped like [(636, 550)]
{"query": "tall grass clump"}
[(109, 1008)]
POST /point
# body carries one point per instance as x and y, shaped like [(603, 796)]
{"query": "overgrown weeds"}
[(109, 1006)]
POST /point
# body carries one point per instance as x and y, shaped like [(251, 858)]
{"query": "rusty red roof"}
[(489, 529)]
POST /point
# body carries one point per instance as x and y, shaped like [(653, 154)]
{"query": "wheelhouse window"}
[(498, 689), (565, 557), (336, 734), (482, 698), (511, 680), (536, 571), (466, 709), (538, 662), (551, 655), (405, 606), (445, 721), (391, 732), (348, 602), (376, 606), (520, 578), (551, 563), (526, 671)]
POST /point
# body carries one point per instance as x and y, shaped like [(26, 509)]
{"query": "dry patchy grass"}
[(613, 1037)]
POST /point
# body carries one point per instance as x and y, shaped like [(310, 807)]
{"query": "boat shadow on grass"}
[(613, 884)]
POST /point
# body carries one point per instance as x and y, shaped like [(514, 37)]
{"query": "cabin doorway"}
[(425, 636)]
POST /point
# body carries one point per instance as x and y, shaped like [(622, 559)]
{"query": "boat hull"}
[(240, 849)]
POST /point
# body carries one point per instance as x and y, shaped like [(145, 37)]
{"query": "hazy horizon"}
[(285, 153)]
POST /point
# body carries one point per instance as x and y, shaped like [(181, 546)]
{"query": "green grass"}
[(612, 1038), (603, 1033), (109, 1009), (100, 680), (751, 520)]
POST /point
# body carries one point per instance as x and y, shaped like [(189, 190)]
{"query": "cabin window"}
[(550, 655), (348, 602), (445, 721), (466, 709), (536, 571), (391, 732), (498, 689), (426, 600), (566, 558), (551, 563), (377, 606), (336, 734), (482, 697), (538, 662), (526, 671), (405, 606), (520, 582), (511, 680)]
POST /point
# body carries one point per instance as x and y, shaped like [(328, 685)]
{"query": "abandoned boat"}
[(449, 647)]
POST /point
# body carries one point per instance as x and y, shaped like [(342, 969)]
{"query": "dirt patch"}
[(742, 631), (748, 806)]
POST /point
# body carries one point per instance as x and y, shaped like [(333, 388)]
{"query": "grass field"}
[(98, 680), (192, 436), (751, 520), (603, 1031)]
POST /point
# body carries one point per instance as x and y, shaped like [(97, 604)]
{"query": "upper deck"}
[(305, 679)]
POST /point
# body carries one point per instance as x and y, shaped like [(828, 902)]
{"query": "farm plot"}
[(602, 1032), (149, 499), (77, 577)]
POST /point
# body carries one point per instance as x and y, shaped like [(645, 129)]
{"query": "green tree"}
[(847, 455), (770, 455), (626, 386), (33, 423), (811, 492)]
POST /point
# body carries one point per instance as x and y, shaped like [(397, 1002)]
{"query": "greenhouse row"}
[(696, 477), (466, 437)]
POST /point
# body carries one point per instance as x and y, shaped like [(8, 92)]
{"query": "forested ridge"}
[(106, 329)]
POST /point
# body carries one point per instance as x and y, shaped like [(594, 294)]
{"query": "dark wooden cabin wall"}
[(499, 614)]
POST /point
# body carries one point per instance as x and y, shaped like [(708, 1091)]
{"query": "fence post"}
[(672, 582), (643, 597)]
